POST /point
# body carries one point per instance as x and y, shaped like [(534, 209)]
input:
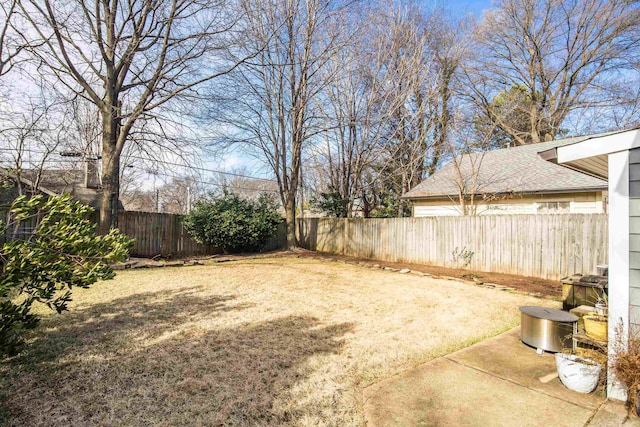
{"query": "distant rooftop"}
[(518, 170), (65, 181)]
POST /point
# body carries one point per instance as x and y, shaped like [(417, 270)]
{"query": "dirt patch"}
[(528, 285), (533, 286)]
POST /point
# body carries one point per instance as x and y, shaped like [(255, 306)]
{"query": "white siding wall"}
[(587, 207), (508, 208), (634, 238), (580, 203), (435, 210)]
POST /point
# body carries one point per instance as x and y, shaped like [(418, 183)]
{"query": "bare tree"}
[(423, 134), (559, 55), (354, 107), (140, 200), (449, 48), (11, 43), (467, 149), (138, 159), (271, 100), (178, 195), (387, 107), (25, 129), (237, 182), (408, 75), (131, 59), (30, 135)]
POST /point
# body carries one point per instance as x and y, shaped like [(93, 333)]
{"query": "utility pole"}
[(188, 198)]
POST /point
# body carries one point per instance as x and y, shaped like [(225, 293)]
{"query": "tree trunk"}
[(533, 119), (110, 174), (403, 189), (463, 203), (290, 221)]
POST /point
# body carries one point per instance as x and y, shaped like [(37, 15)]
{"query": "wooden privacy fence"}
[(155, 234), (160, 234), (278, 241), (546, 246), (164, 234)]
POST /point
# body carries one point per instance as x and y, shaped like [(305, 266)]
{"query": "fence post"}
[(543, 246)]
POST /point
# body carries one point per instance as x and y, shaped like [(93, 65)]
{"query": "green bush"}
[(331, 203), (233, 223), (61, 251)]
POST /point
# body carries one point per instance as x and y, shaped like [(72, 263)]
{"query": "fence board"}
[(546, 246), (160, 234), (278, 241), (163, 234)]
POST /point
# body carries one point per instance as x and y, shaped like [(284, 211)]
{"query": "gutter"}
[(515, 194)]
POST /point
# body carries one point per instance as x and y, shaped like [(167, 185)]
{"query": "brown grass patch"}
[(253, 342), (532, 285)]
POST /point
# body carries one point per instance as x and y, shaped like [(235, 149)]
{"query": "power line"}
[(30, 151), (207, 170), (215, 184)]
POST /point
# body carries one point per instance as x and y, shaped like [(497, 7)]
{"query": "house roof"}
[(592, 156), (517, 170), (63, 181)]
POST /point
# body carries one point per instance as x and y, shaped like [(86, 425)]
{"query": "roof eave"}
[(524, 193), (27, 182), (550, 155)]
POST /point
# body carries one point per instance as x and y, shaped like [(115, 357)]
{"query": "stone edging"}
[(422, 274)]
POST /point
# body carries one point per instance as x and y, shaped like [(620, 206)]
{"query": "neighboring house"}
[(615, 157), (81, 185), (509, 181)]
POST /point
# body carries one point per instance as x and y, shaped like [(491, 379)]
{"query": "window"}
[(554, 207)]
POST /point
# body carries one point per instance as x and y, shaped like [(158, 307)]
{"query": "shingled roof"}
[(516, 170), (63, 181)]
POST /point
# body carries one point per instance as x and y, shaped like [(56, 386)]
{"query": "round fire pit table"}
[(546, 328)]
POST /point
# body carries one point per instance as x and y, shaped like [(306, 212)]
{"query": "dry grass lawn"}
[(283, 341)]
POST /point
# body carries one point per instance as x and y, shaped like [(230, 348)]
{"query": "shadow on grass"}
[(166, 358)]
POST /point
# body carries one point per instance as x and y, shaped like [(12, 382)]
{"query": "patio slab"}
[(505, 356), (614, 414), (499, 381)]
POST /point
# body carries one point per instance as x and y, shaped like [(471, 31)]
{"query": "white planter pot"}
[(577, 373)]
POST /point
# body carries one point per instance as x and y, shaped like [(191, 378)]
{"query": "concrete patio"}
[(499, 381)]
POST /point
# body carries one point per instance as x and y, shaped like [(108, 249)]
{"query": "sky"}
[(462, 7)]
